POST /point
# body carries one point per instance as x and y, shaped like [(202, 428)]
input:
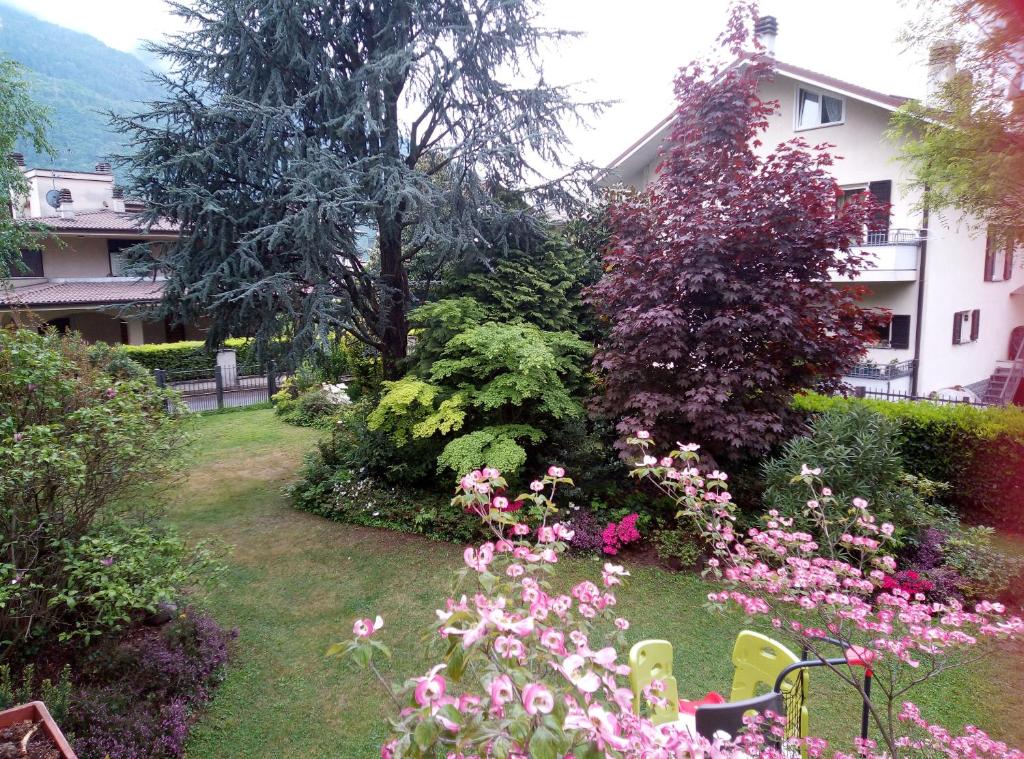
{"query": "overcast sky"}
[(629, 51)]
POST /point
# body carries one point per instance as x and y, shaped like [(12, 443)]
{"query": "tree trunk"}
[(394, 299)]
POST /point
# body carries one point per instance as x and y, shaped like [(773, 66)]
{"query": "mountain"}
[(79, 79)]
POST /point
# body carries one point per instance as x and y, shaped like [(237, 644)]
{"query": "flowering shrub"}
[(615, 536), (528, 669), (835, 581), (137, 697)]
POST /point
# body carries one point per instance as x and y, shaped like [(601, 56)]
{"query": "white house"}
[(957, 301), (75, 281)]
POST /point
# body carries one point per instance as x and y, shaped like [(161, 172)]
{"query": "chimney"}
[(766, 29), (18, 158), (103, 168), (134, 206), (65, 204), (941, 68), (117, 198)]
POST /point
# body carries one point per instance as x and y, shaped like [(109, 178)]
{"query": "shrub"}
[(514, 373), (77, 446), (316, 407), (616, 536), (54, 692), (137, 697), (678, 547), (979, 452), (187, 354), (859, 449), (119, 570)]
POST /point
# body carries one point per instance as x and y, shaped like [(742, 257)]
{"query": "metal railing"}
[(892, 370), (221, 387), (895, 395), (893, 236)]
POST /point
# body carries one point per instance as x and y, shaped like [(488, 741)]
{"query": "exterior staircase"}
[(1005, 381)]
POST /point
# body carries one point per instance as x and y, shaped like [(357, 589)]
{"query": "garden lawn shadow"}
[(296, 582)]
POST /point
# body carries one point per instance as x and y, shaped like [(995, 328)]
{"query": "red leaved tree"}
[(717, 289)]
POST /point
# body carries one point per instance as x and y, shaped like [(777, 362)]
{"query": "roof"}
[(656, 135), (106, 221), (82, 293)]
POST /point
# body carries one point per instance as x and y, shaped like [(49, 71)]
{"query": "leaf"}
[(426, 733), (543, 744)]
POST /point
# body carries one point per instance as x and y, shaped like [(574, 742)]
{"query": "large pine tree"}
[(296, 130)]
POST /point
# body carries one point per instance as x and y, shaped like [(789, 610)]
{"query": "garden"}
[(544, 478)]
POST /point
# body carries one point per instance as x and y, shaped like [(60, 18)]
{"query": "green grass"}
[(295, 582)]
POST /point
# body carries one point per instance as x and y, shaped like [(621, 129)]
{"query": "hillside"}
[(79, 79)]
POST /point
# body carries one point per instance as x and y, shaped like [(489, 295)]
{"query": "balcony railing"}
[(893, 370), (894, 236)]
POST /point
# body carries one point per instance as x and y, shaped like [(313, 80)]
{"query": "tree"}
[(717, 289), (292, 131), (965, 144), (20, 119)]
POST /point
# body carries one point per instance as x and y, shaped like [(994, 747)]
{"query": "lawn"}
[(295, 583)]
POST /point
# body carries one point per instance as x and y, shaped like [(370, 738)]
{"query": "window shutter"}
[(878, 227), (1008, 263), (958, 318), (990, 257), (975, 323), (899, 333)]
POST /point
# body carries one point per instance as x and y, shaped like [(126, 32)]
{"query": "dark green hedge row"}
[(978, 451), (186, 355)]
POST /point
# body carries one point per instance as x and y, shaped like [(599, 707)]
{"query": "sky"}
[(629, 50)]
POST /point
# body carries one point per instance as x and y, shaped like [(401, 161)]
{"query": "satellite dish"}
[(53, 198)]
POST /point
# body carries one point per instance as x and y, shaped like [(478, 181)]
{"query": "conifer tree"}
[(293, 132)]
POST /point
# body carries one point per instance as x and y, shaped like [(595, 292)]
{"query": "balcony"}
[(892, 370), (894, 256)]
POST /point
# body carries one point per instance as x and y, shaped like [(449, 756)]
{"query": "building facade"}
[(956, 296), (76, 281)]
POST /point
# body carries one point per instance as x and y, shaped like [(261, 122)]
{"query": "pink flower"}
[(479, 560), (622, 623), (501, 692), (643, 434), (364, 628), (430, 688), (556, 471), (599, 724), (537, 699), (536, 486), (520, 529), (500, 502), (573, 667)]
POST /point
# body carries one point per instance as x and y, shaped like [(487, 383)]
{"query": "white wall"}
[(89, 192), (955, 281)]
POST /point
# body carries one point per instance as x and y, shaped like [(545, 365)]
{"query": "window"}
[(895, 333), (32, 264), (966, 326), (117, 258), (998, 256), (815, 109)]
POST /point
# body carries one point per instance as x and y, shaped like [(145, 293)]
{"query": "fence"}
[(221, 386), (863, 392)]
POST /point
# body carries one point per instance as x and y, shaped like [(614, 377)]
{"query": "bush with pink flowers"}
[(529, 668)]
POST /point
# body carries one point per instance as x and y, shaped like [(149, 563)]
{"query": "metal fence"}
[(863, 392), (221, 386)]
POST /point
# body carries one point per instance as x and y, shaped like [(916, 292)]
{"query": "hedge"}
[(187, 354), (978, 451)]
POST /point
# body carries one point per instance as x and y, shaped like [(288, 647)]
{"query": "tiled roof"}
[(68, 293), (106, 221)]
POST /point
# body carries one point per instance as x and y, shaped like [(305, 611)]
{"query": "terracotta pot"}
[(36, 712)]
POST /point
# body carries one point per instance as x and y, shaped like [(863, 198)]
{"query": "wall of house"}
[(899, 298), (89, 192), (77, 257), (955, 281)]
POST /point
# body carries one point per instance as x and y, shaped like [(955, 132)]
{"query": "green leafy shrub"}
[(120, 570), (979, 452), (187, 354), (54, 692), (487, 393), (78, 446), (316, 407), (985, 571), (858, 451), (678, 547)]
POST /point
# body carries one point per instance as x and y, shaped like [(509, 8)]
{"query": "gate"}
[(221, 386)]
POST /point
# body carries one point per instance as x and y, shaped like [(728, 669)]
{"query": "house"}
[(76, 280), (956, 297)]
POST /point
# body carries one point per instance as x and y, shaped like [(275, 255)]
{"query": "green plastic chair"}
[(652, 660), (759, 661)]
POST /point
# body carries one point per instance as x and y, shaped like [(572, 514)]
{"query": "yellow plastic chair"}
[(759, 661), (652, 660)]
